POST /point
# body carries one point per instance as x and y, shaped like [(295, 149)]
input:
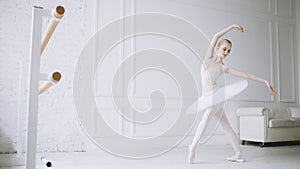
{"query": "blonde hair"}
[(223, 41)]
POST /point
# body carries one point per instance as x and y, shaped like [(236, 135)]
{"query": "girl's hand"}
[(239, 27), (271, 88)]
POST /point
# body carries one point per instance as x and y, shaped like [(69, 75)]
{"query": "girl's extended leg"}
[(200, 129), (238, 157), (199, 133)]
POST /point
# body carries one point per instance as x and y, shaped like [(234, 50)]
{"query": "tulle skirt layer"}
[(217, 96)]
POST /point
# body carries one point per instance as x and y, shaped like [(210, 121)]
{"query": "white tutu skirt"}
[(217, 96)]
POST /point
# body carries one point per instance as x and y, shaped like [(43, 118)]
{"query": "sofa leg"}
[(243, 142), (261, 144)]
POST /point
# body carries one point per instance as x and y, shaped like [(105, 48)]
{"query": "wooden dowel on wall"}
[(54, 78), (58, 14)]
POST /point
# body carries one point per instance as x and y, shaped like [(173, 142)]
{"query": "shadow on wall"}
[(6, 144), (8, 154)]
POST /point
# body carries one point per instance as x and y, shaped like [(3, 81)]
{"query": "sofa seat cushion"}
[(281, 123), (296, 121)]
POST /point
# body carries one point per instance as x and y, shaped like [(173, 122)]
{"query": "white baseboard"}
[(8, 160), (216, 139)]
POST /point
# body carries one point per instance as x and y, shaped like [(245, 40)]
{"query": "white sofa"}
[(264, 125)]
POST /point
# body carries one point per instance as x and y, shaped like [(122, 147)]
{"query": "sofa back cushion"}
[(295, 112), (279, 113)]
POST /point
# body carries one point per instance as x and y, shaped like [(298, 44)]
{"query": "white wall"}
[(266, 49)]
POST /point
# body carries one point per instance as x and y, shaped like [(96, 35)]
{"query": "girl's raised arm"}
[(217, 36)]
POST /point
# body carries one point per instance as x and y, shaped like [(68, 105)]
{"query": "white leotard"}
[(212, 94), (211, 70)]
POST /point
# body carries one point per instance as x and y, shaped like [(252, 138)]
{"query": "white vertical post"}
[(21, 110), (37, 47), (34, 74)]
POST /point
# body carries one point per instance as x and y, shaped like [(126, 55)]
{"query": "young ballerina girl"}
[(212, 68)]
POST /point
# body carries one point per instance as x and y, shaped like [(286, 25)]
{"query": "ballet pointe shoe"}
[(236, 158), (191, 155)]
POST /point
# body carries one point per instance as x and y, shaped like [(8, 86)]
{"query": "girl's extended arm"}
[(250, 76), (217, 36)]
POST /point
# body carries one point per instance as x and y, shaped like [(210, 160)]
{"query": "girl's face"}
[(223, 50)]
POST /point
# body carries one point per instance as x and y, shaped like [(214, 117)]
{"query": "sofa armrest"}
[(252, 111)]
